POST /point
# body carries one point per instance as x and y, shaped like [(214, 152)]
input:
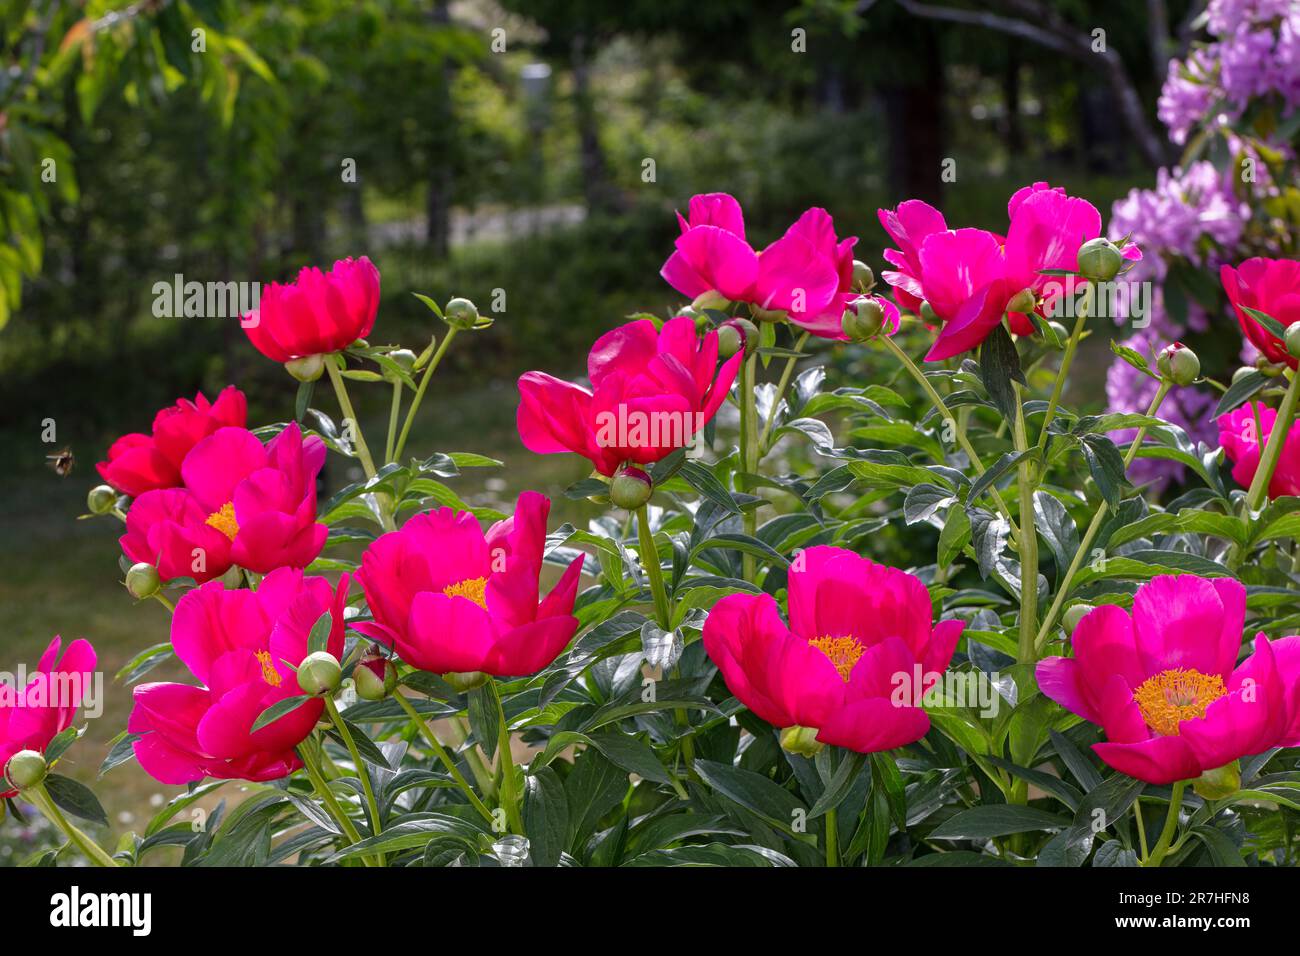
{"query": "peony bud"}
[(1100, 260), (1241, 373), (1178, 364), (1062, 333), (375, 676), (928, 315), (461, 314), (769, 315), (306, 369), (801, 740), (142, 581), (630, 488), (1073, 615), (462, 681), (1292, 339), (864, 280), (863, 318), (1218, 783), (1023, 301), (735, 334), (403, 359), (712, 299), (25, 769), (319, 674), (101, 500), (232, 578)]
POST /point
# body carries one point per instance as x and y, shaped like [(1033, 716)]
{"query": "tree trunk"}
[(441, 180), (914, 115), (598, 192)]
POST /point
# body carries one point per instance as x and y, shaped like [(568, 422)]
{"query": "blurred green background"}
[(528, 153)]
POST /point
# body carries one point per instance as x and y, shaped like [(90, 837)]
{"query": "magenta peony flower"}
[(712, 254), (318, 312), (47, 704), (243, 503), (449, 598), (1271, 286), (244, 647), (651, 393), (1243, 439), (857, 633), (909, 225), (1164, 683), (138, 463)]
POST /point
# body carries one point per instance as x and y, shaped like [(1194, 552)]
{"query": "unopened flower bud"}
[(1218, 783), (863, 278), (1241, 373), (403, 359), (1178, 364), (1073, 615), (101, 500), (737, 334), (630, 489), (1292, 339), (142, 581), (319, 674), (25, 769), (928, 315), (462, 681), (1023, 301), (864, 317), (713, 299), (1062, 333), (232, 578), (461, 314), (1100, 260), (1265, 367), (801, 740), (375, 676), (769, 315), (306, 369)]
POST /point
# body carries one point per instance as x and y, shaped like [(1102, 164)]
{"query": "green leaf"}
[(278, 710), (994, 820), (1272, 325), (752, 791), (546, 816), (120, 751), (703, 481), (484, 718), (1240, 390), (1000, 368), (75, 798), (302, 401), (319, 637), (955, 536), (1106, 465), (840, 784)]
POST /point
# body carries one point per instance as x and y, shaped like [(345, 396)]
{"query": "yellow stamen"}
[(224, 520), (472, 588), (1172, 696), (843, 652), (269, 673)]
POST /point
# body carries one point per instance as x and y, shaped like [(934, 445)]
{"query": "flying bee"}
[(62, 462)]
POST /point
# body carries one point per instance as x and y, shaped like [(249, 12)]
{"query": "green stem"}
[(1141, 827), (345, 403), (445, 758), (832, 839), (327, 797), (1171, 824), (1066, 361), (339, 724), (482, 776), (165, 601), (393, 412), (958, 428), (781, 386), (1063, 589), (749, 452), (1258, 492), (509, 796), (45, 803), (650, 561), (420, 390), (1028, 539)]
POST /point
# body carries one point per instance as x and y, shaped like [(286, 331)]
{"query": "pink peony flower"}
[(963, 277), (909, 225), (244, 647), (711, 252), (1164, 683), (858, 632), (138, 463), (651, 393), (318, 312), (46, 706), (1271, 286), (449, 598), (1243, 440), (243, 503)]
